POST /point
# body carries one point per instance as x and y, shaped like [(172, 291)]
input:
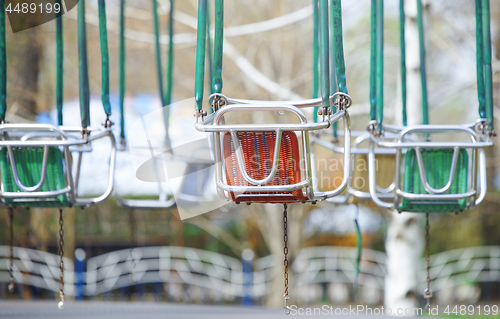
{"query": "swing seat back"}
[(29, 168), (437, 163), (384, 172), (258, 150)]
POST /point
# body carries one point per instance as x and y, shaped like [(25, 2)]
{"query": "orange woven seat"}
[(258, 152)]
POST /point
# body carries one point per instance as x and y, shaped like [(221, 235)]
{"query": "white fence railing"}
[(314, 268)]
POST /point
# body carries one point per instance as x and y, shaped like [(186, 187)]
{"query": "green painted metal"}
[(359, 247), (315, 57), (373, 61), (165, 92), (333, 64), (402, 44), (122, 74), (479, 60), (200, 53), (29, 169), (170, 73), (159, 68), (336, 7), (218, 46), (170, 55), (103, 37), (3, 63), (380, 63), (488, 81), (437, 163), (324, 53), (83, 66), (209, 55), (423, 72), (59, 65)]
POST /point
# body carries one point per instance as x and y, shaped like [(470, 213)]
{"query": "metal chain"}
[(427, 291), (11, 250), (61, 261), (285, 262)]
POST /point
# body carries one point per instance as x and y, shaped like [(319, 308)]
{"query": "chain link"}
[(427, 291), (11, 250), (285, 262), (61, 261)]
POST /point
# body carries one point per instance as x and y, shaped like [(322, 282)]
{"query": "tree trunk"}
[(404, 242)]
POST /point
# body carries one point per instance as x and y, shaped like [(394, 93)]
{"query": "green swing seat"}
[(437, 163), (29, 169)]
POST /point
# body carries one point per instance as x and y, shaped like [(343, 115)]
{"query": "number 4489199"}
[(471, 310), (33, 8)]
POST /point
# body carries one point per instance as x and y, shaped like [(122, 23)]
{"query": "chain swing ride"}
[(262, 163), (437, 176), (257, 163), (195, 179), (36, 159)]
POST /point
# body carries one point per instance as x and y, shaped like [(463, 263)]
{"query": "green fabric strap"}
[(423, 74), (59, 65), (200, 53), (170, 72), (218, 46), (103, 36), (315, 57), (3, 63), (333, 64), (373, 61), (159, 68), (122, 75), (488, 81), (380, 63), (479, 60), (402, 45), (336, 7), (359, 247), (170, 55), (83, 66), (324, 54), (209, 55)]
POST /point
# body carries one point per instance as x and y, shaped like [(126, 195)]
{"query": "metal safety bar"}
[(64, 137)]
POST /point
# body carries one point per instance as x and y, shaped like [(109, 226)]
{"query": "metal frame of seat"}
[(70, 140), (416, 140), (260, 186), (479, 140), (351, 191)]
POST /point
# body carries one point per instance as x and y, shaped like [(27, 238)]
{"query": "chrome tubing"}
[(347, 163), (477, 143), (26, 134), (259, 185)]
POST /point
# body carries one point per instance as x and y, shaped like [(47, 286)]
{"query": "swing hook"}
[(217, 101), (372, 128), (108, 123), (286, 306), (428, 296), (341, 101), (200, 113)]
